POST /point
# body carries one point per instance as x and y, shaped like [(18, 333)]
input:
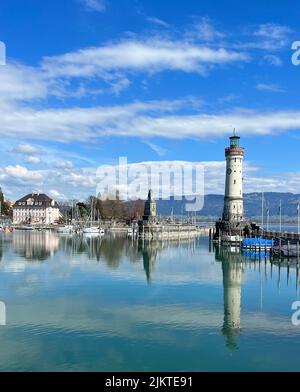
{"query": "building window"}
[(234, 181)]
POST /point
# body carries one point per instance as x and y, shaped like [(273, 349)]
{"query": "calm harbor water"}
[(77, 303)]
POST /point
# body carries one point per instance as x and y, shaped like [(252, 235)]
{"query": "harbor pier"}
[(149, 227)]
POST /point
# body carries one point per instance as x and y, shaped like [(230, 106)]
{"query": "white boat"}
[(65, 229), (131, 232), (27, 228), (93, 230), (231, 240)]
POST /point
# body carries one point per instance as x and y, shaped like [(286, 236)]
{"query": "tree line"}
[(96, 209), (111, 208)]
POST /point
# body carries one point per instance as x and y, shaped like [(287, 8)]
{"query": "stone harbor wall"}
[(170, 231)]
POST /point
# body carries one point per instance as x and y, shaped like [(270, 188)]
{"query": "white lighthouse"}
[(233, 200)]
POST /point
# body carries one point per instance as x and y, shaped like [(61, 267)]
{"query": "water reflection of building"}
[(108, 249), (149, 251), (37, 245), (232, 283), (115, 250)]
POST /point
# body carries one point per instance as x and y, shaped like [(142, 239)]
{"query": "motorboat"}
[(93, 230), (234, 240), (131, 232), (28, 228), (65, 229)]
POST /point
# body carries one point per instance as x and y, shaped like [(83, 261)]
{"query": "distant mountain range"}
[(213, 205)]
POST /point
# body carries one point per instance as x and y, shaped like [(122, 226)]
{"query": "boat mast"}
[(280, 216), (92, 206), (262, 212), (298, 216)]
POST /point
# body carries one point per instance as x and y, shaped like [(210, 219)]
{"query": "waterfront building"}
[(35, 208)]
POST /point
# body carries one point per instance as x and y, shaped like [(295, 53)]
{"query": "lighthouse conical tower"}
[(233, 201)]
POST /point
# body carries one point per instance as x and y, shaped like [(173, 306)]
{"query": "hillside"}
[(213, 205)]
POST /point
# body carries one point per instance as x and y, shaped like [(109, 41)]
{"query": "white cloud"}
[(21, 173), (21, 83), (29, 151), (82, 178), (26, 149), (76, 123), (159, 150), (273, 60), (228, 98), (32, 159), (157, 21), (269, 87), (142, 120), (111, 62), (119, 85), (272, 36), (55, 194), (95, 5), (2, 53), (69, 74), (204, 30), (63, 164), (268, 37), (149, 55), (273, 31)]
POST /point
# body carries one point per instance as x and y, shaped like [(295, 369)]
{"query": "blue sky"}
[(87, 81)]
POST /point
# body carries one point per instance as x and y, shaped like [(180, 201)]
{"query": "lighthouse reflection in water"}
[(232, 269), (117, 304)]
